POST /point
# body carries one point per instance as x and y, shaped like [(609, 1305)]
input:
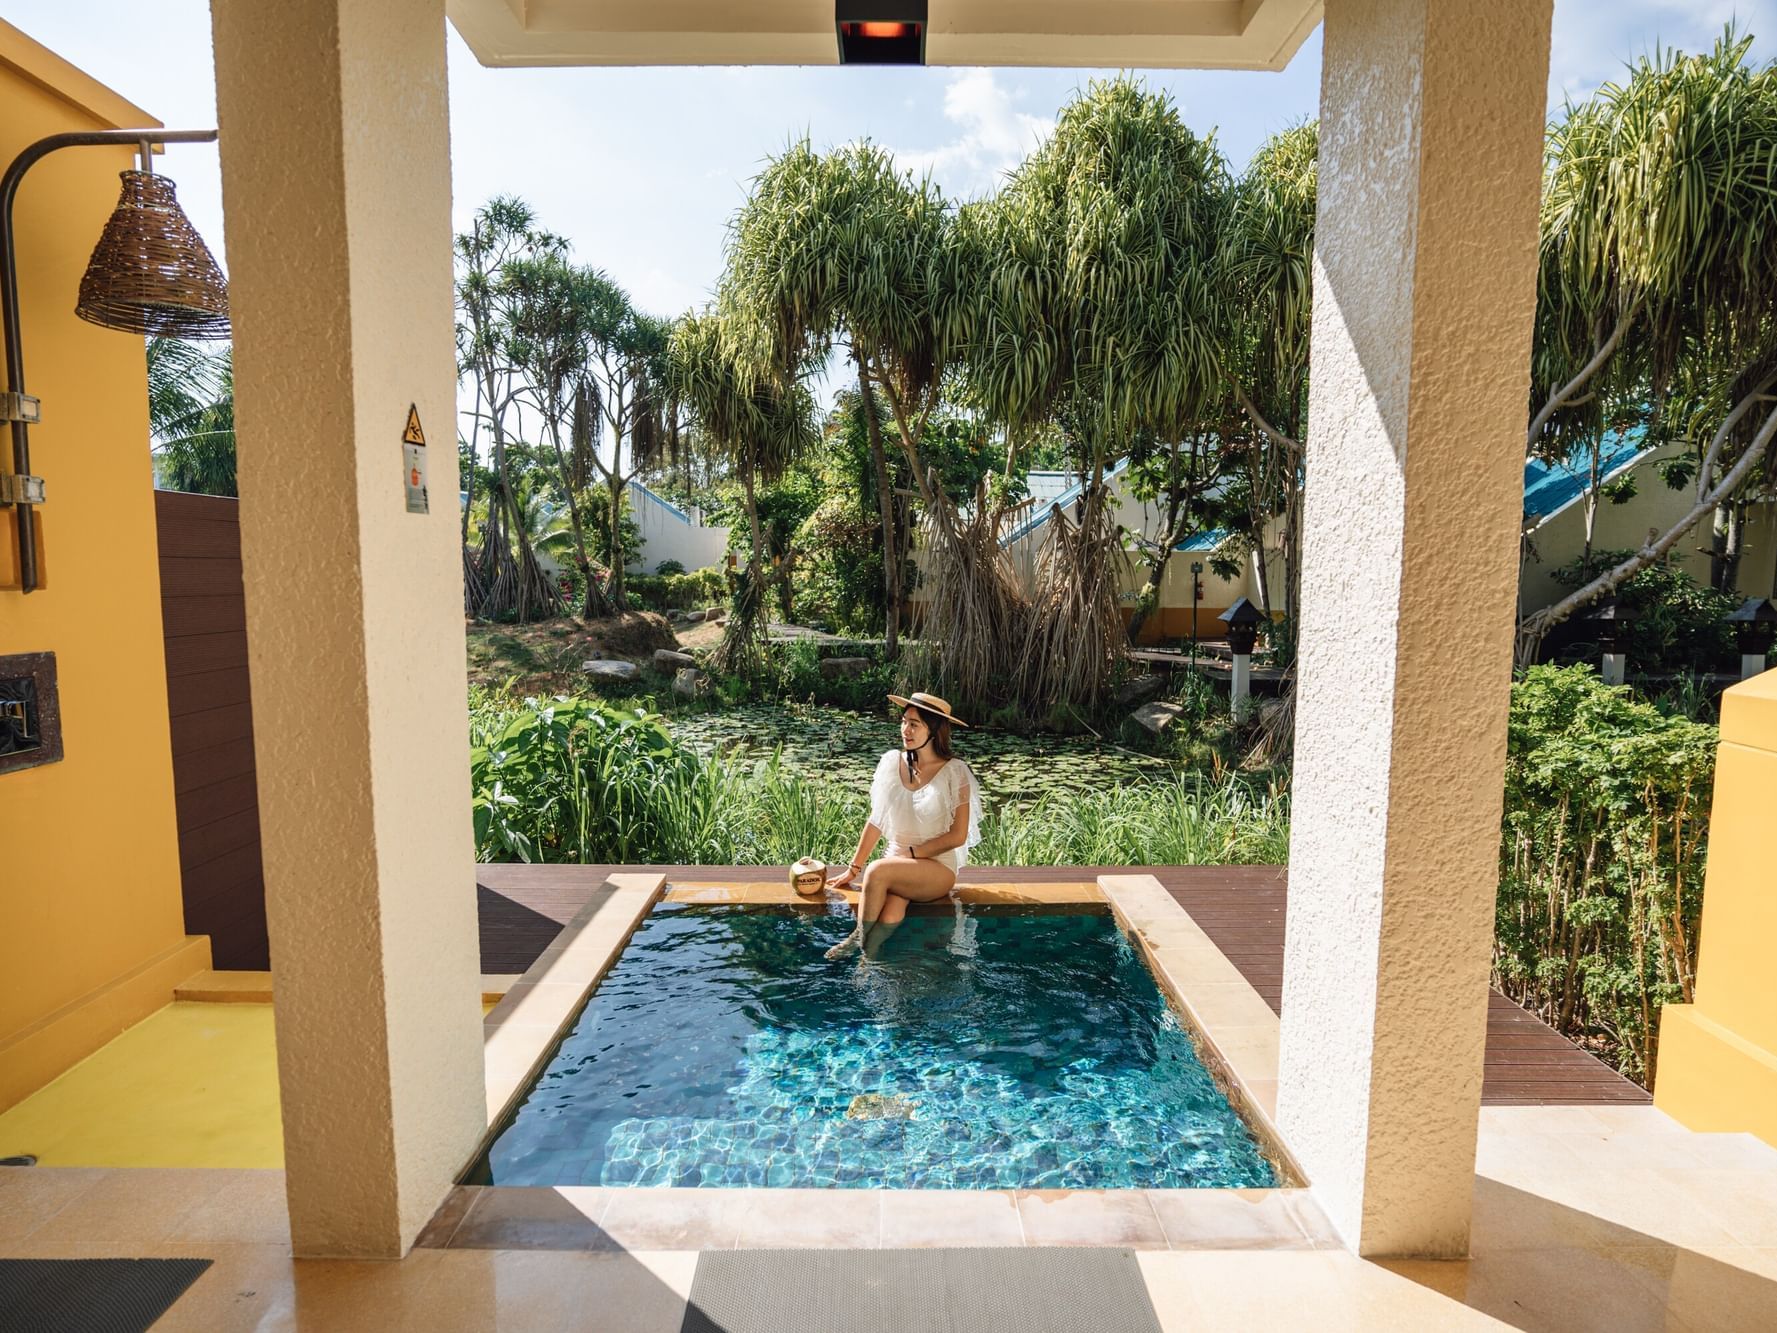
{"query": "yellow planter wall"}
[(1718, 1057), (94, 936)]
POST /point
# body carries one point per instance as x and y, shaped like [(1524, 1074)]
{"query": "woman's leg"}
[(913, 879), (894, 912)]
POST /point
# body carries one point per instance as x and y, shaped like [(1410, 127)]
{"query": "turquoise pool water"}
[(1000, 1048)]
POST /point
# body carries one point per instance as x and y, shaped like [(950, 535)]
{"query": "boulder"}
[(715, 615), (1140, 690), (665, 659), (690, 683), (1157, 717), (612, 670), (675, 616), (834, 668), (693, 617)]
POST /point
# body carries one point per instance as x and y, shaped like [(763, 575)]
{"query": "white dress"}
[(906, 816)]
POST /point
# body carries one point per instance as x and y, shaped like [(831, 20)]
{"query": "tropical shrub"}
[(1601, 860), (578, 780), (679, 591), (1679, 625)]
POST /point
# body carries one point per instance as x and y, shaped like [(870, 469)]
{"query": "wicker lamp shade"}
[(151, 273)]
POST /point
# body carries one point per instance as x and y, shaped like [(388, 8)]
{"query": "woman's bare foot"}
[(850, 944)]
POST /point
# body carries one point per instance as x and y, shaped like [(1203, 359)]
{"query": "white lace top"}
[(907, 816)]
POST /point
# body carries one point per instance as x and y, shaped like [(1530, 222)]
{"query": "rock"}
[(676, 616), (835, 667), (665, 659), (1140, 690), (690, 683), (715, 615), (1157, 717), (612, 670), (694, 617)]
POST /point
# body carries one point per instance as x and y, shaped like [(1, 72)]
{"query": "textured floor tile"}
[(797, 1219), (1090, 1217), (924, 1219), (672, 1219), (31, 1195), (517, 1218), (248, 1208), (1227, 1220), (138, 1204)]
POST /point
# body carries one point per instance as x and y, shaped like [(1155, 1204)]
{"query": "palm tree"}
[(1096, 314), (1659, 281), (547, 309), (763, 426), (1265, 284), (191, 416), (846, 246), (509, 583)]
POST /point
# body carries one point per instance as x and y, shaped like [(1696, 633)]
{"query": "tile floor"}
[(1585, 1218)]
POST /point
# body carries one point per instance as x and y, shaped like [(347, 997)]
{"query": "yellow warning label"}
[(413, 434)]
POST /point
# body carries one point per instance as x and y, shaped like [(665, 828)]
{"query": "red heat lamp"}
[(881, 32)]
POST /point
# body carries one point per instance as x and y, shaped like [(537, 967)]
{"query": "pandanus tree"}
[(763, 424), (1659, 283), (499, 581), (548, 307), (1265, 282), (191, 416), (845, 246), (1095, 312)]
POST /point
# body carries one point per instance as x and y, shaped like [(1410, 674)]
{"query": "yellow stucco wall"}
[(94, 936), (1718, 1057)]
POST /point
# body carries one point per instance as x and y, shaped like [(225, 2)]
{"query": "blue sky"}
[(641, 168)]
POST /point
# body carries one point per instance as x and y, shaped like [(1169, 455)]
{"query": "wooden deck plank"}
[(1242, 908)]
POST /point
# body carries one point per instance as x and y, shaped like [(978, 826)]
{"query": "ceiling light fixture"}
[(881, 32)]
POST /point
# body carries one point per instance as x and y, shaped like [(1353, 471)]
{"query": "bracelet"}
[(855, 868), (913, 850)]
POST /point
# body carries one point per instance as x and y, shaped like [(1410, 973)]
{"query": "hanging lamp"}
[(151, 273)]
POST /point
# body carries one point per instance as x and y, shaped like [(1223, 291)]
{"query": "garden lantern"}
[(1243, 620), (881, 32), (1755, 629), (1613, 620), (1196, 595), (149, 274)]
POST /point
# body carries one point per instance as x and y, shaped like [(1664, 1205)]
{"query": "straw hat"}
[(931, 703)]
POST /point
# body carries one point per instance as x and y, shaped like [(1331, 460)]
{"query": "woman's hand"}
[(843, 878)]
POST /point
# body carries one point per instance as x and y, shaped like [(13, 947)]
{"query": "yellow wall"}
[(1718, 1057), (94, 933)]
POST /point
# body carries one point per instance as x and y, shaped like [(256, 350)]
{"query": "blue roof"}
[(1203, 541), (1061, 501), (1550, 487), (667, 505)]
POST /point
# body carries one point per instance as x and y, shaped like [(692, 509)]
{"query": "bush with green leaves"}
[(581, 781), (695, 591), (1679, 625), (1601, 860)]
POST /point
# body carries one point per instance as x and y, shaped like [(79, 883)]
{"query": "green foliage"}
[(191, 417), (679, 591), (795, 673), (670, 567), (1679, 625), (577, 780), (1601, 860)]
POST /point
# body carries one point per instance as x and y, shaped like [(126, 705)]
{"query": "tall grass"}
[(577, 780)]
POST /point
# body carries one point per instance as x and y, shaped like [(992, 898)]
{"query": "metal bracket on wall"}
[(20, 407), (17, 490)]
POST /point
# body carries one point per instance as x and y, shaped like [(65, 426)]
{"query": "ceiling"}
[(1144, 34)]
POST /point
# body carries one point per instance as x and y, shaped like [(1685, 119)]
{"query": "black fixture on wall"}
[(881, 32), (149, 274)]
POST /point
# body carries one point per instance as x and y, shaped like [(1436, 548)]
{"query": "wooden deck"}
[(1240, 907)]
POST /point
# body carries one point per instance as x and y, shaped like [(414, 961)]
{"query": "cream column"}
[(336, 182), (1431, 127)]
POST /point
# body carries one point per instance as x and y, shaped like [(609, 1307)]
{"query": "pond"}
[(845, 745)]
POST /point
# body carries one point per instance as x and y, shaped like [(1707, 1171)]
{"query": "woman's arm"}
[(867, 841), (957, 835)]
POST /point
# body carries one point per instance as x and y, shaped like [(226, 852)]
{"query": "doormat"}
[(919, 1291), (92, 1295)]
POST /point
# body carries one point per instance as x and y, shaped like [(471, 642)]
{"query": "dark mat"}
[(91, 1295), (919, 1291)]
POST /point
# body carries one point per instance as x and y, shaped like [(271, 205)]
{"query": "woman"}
[(927, 804)]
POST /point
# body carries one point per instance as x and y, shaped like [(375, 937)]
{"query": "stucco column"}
[(1424, 275), (336, 184)]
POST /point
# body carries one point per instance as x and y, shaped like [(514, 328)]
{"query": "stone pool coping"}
[(1233, 1029)]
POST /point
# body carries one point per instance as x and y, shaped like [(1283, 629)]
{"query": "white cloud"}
[(993, 135), (1595, 40)]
